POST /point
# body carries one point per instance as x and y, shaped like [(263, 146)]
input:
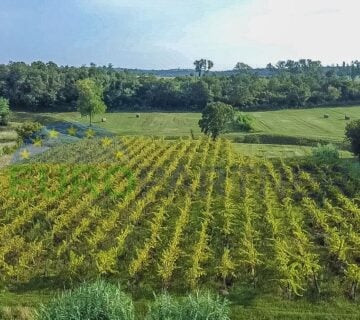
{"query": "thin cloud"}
[(269, 30)]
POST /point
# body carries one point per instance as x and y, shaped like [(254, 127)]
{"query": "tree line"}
[(43, 86)]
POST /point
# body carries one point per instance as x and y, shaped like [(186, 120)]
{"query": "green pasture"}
[(301, 123), (277, 150), (308, 123)]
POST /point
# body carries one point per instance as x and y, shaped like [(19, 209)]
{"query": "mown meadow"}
[(280, 133)]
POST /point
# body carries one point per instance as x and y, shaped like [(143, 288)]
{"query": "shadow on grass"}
[(244, 297), (44, 119)]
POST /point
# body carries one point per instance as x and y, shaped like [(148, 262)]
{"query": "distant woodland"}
[(43, 86)]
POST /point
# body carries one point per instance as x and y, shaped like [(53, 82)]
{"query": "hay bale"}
[(326, 116), (347, 117), (103, 119), (138, 115)]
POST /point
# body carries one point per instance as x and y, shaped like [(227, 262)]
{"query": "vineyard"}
[(178, 215)]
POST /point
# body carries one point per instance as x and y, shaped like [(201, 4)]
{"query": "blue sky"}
[(170, 34)]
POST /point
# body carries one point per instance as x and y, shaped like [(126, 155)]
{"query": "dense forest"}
[(289, 84)]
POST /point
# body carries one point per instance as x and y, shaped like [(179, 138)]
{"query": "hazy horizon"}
[(172, 34)]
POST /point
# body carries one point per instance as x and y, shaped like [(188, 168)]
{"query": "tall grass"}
[(99, 300), (199, 306), (325, 154), (18, 313)]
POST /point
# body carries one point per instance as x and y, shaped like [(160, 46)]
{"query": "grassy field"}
[(299, 123), (306, 122), (303, 123), (277, 150)]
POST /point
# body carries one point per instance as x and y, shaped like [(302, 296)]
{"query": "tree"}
[(240, 66), (353, 276), (202, 66), (216, 118), (90, 98), (4, 111), (352, 133), (210, 64)]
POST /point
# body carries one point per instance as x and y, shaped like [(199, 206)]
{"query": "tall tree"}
[(202, 66), (90, 100), (241, 66), (210, 65)]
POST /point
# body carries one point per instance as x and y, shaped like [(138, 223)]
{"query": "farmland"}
[(178, 215), (308, 123), (287, 133), (146, 205)]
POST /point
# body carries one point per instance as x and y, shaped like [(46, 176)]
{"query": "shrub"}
[(242, 122), (326, 116), (353, 169), (352, 133), (199, 306), (99, 300), (325, 154), (9, 149), (27, 130)]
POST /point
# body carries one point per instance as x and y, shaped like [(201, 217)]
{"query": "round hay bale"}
[(326, 116), (138, 115), (347, 117), (103, 119)]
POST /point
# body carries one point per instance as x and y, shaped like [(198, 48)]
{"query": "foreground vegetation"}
[(101, 300)]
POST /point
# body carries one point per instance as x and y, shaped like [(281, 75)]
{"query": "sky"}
[(165, 34)]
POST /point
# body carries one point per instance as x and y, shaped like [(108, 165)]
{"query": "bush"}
[(199, 306), (326, 116), (27, 130), (98, 300), (242, 122), (352, 133), (9, 149), (325, 154)]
